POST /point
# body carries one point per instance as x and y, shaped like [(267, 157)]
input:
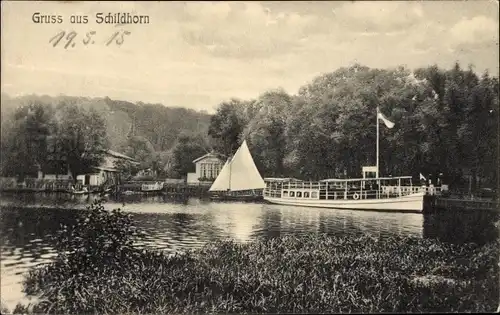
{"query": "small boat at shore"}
[(152, 187), (102, 190), (239, 179), (83, 191), (378, 193)]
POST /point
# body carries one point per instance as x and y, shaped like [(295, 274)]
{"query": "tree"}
[(126, 169), (478, 131), (187, 149), (165, 161), (80, 137), (24, 144), (140, 149), (266, 130), (227, 125), (333, 125)]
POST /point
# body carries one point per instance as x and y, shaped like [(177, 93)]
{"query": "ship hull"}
[(408, 203), (244, 198)]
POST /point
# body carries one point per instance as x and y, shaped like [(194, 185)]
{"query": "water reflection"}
[(28, 222), (461, 226), (240, 222)]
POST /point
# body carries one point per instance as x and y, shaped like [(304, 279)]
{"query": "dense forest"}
[(146, 132), (446, 121)]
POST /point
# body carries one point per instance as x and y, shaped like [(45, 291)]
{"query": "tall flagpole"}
[(377, 139)]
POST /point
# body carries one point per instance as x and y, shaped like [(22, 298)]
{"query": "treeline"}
[(446, 121), (53, 139), (52, 132)]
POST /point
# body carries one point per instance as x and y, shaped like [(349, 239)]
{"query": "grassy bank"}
[(99, 270)]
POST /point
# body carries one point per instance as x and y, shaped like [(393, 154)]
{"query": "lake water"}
[(28, 221)]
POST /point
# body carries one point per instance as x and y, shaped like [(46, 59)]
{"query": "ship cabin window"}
[(285, 193), (292, 194), (299, 194), (314, 194), (306, 194)]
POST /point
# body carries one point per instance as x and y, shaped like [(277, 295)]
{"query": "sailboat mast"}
[(231, 155), (229, 188), (377, 141)]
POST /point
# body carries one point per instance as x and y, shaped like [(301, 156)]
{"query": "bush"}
[(101, 241), (99, 271)]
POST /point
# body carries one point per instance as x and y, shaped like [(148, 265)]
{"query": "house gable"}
[(213, 158), (207, 167)]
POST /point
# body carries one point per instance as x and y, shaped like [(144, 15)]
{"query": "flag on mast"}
[(389, 124)]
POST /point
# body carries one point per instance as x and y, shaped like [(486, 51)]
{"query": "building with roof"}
[(207, 168), (105, 173)]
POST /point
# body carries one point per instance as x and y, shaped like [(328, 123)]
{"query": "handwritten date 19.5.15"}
[(70, 39)]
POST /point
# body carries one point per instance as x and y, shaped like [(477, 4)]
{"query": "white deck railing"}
[(310, 191)]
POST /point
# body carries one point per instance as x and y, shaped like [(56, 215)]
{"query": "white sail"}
[(244, 173), (221, 183), (240, 173)]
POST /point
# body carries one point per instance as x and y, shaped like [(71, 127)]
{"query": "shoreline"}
[(286, 274), (104, 261)]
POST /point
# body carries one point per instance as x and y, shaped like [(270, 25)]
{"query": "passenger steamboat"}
[(388, 193), (366, 193)]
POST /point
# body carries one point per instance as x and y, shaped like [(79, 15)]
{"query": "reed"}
[(307, 274)]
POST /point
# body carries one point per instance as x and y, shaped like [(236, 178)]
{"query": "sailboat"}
[(239, 179), (366, 193)]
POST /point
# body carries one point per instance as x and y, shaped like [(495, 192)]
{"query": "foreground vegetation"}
[(98, 270)]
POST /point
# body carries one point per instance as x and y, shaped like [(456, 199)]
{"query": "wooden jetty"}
[(476, 204), (437, 200), (141, 188), (176, 190), (169, 188), (33, 185)]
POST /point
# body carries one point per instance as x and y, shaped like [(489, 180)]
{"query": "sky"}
[(197, 54)]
